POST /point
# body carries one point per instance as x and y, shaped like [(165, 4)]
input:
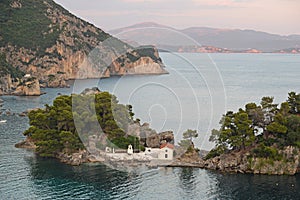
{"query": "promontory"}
[(44, 41)]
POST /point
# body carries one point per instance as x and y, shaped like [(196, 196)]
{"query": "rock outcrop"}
[(26, 144), (6, 84), (89, 91), (19, 87), (149, 137), (61, 46), (74, 158), (166, 137), (69, 158), (155, 140), (243, 162), (28, 87)]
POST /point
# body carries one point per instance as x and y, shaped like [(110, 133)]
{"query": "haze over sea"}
[(198, 90)]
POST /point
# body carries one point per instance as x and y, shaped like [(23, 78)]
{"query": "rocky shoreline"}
[(83, 156), (241, 162), (26, 86), (236, 162), (74, 159)]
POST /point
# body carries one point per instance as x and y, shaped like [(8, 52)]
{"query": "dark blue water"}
[(195, 85)]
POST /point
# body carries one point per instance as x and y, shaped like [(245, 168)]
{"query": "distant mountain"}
[(138, 26), (290, 50), (43, 39), (233, 39)]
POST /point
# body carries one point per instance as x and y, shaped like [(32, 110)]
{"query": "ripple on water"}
[(24, 176)]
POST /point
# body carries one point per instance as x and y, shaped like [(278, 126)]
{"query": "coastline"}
[(70, 81), (227, 163)]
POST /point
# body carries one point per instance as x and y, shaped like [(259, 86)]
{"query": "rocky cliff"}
[(243, 162), (28, 87), (20, 87), (43, 39), (149, 137)]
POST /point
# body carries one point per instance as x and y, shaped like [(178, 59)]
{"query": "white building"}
[(148, 151), (130, 150), (166, 152)]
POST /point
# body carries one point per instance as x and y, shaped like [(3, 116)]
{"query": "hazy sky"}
[(274, 16)]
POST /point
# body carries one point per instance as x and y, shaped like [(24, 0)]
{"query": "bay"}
[(198, 90)]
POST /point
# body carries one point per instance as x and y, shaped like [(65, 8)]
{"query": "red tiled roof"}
[(171, 146)]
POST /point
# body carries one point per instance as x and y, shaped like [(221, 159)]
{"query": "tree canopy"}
[(265, 128), (187, 142), (57, 128)]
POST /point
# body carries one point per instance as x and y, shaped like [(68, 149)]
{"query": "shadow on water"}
[(88, 181), (242, 186), (187, 179)]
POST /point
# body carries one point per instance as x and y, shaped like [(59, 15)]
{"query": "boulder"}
[(28, 87), (166, 137), (56, 83), (89, 91), (153, 140), (75, 158), (243, 162), (26, 144), (134, 129)]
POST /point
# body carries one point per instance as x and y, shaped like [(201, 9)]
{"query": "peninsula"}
[(93, 127), (43, 41), (259, 139)]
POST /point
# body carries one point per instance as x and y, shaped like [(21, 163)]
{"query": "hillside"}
[(43, 39), (235, 40), (71, 126), (260, 139)]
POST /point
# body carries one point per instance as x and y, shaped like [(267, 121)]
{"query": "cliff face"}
[(242, 162), (5, 84), (29, 87), (19, 87), (149, 137), (43, 39)]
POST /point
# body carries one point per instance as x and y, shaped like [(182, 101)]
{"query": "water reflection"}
[(56, 180), (188, 180), (239, 186)]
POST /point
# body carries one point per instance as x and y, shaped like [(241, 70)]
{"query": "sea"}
[(195, 94)]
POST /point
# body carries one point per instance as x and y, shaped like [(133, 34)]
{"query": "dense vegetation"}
[(57, 128), (27, 26), (187, 142), (263, 129), (25, 23), (6, 68), (41, 33)]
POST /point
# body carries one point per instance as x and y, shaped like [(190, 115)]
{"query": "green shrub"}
[(123, 142), (28, 26), (215, 152), (266, 152), (6, 68), (53, 128)]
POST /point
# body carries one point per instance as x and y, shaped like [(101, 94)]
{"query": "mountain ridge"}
[(233, 39), (44, 40)]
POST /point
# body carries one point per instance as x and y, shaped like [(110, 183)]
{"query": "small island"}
[(94, 127), (57, 46), (260, 139)]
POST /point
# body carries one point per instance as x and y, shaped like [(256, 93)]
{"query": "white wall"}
[(165, 154)]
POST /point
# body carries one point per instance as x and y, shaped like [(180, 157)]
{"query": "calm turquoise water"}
[(195, 94)]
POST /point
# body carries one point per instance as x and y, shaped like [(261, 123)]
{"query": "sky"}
[(273, 16)]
